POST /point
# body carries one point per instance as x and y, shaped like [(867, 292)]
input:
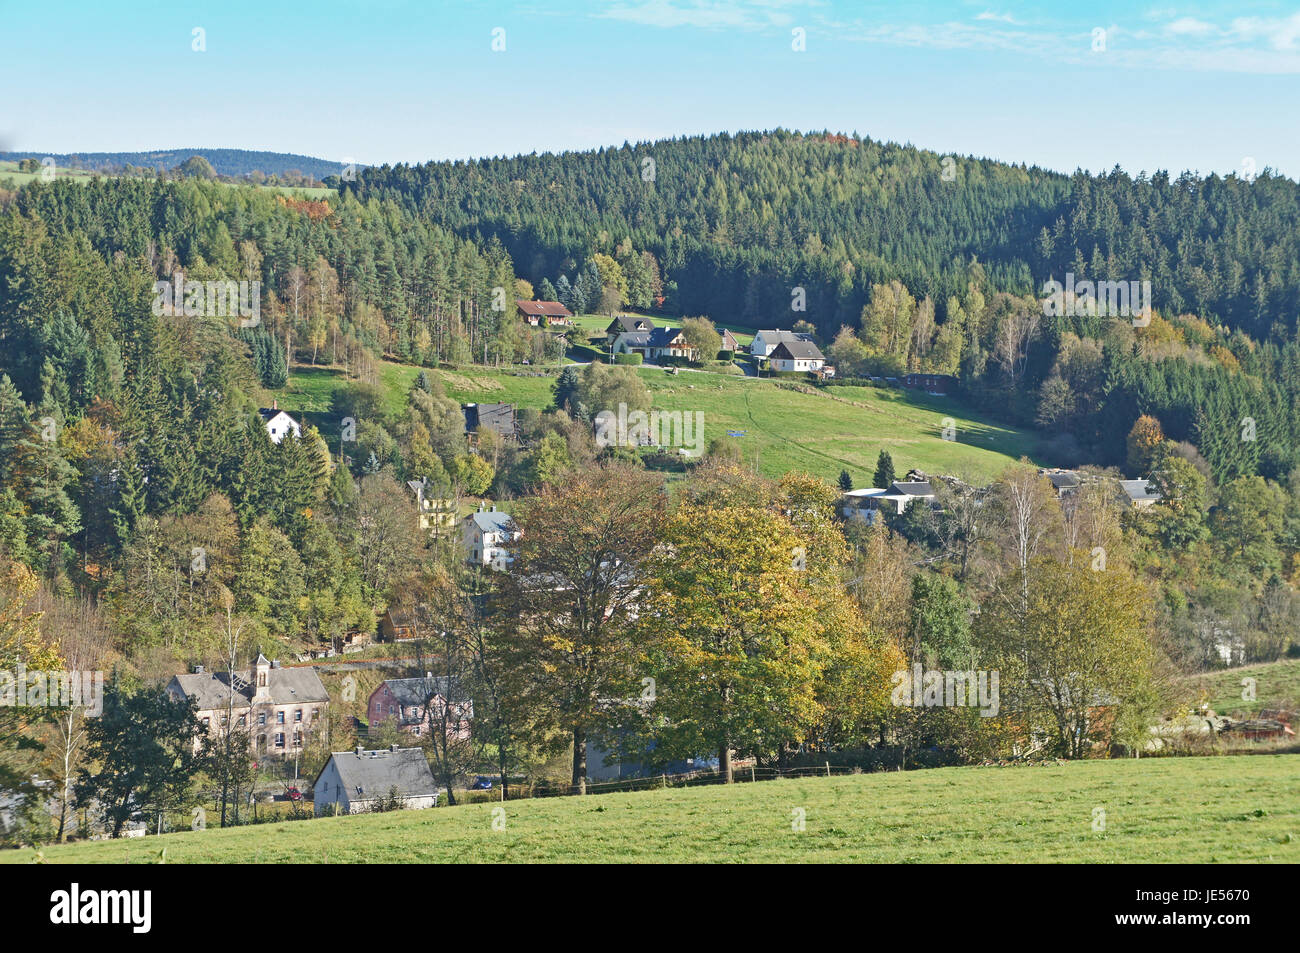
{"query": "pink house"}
[(419, 704)]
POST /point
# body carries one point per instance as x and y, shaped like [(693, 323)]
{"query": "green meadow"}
[(819, 431), (1242, 809)]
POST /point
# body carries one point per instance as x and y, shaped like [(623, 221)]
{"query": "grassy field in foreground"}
[(1194, 810), (785, 429)]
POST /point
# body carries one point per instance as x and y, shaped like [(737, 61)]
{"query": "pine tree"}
[(884, 470)]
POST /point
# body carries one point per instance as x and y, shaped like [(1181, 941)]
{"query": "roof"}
[(629, 322), (783, 336), (1139, 490), (797, 351), (1063, 479), (866, 492), (663, 337), (416, 691), (499, 418), (916, 488), (288, 686), (373, 774), (492, 521), (547, 309), (270, 413), (635, 338)]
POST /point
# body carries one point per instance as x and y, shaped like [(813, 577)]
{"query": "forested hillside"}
[(738, 221), (129, 434), (905, 260)]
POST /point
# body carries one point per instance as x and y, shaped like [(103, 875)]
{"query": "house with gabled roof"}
[(549, 312), (627, 324), (765, 342), (437, 509), (499, 418), (417, 704), (795, 356), (278, 423), (1063, 481), (358, 781), (277, 706), (487, 535), (1140, 493), (865, 504)]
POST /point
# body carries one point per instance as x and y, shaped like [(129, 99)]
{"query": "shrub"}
[(628, 358)]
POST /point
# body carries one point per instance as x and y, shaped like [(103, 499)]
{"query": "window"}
[(415, 730), (207, 722), (243, 720), (297, 715), (279, 718), (297, 739), (261, 680), (279, 739), (261, 717)]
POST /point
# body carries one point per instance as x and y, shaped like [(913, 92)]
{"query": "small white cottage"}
[(354, 782)]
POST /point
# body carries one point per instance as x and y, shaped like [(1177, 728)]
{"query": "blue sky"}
[(1206, 86)]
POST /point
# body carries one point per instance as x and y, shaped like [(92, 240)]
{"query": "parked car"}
[(481, 784)]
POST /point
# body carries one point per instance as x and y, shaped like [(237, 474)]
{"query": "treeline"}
[(737, 222), (233, 162)]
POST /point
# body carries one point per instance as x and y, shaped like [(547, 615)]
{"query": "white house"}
[(866, 503), (353, 782), (1140, 493), (486, 535), (278, 423), (765, 342), (797, 356)]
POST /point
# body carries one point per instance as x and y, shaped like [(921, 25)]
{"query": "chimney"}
[(275, 663), (358, 751), (198, 670), (275, 403), (392, 748), (428, 674), (480, 506), (492, 508)]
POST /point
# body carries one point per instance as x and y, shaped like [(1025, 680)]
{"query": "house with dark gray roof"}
[(865, 504), (1063, 481), (499, 418), (797, 356), (278, 423), (765, 342), (357, 781), (419, 705), (278, 707), (1140, 493), (627, 324)]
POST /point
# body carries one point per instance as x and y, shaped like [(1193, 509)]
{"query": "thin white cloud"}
[(1279, 33), (706, 14), (998, 17), (1263, 45), (1189, 26)]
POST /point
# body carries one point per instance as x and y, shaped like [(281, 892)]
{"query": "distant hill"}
[(234, 162)]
